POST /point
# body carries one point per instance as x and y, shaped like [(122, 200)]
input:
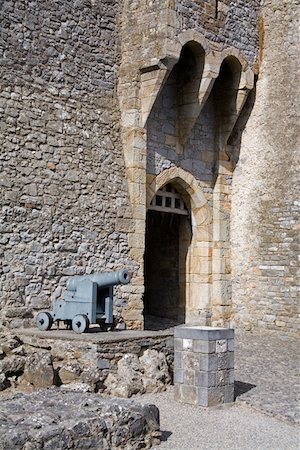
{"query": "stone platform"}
[(120, 363), (94, 335)]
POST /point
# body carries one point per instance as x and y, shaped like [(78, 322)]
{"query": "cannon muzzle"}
[(103, 280)]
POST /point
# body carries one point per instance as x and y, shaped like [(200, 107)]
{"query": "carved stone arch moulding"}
[(188, 183), (193, 36), (155, 72), (247, 74)]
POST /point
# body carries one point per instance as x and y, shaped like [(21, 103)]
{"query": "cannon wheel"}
[(80, 323), (44, 321)]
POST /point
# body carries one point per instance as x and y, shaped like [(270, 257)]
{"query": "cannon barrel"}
[(103, 280)]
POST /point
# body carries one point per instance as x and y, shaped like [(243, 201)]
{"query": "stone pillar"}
[(204, 365)]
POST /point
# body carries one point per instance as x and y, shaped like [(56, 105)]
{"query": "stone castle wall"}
[(81, 152), (231, 23), (265, 211), (63, 189)]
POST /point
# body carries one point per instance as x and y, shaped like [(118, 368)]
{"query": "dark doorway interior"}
[(165, 269)]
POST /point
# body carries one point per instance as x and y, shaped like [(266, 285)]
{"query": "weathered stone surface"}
[(149, 373), (155, 371), (70, 373), (12, 365), (76, 387), (62, 420), (4, 382), (39, 362), (9, 343), (265, 209), (65, 190), (39, 371), (128, 380)]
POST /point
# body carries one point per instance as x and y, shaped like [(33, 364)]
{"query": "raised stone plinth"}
[(120, 363), (204, 365)]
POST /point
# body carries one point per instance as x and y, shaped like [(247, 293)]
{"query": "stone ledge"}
[(59, 420), (94, 334), (203, 333)]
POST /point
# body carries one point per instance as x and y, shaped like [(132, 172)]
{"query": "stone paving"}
[(267, 373)]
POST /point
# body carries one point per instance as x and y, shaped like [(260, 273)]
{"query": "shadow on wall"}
[(180, 132), (235, 138), (175, 111), (202, 138)]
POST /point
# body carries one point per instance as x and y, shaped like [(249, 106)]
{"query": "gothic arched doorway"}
[(168, 237)]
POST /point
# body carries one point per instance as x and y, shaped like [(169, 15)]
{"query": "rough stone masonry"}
[(52, 419), (105, 102)]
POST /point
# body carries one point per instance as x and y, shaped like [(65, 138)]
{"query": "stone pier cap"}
[(203, 332)]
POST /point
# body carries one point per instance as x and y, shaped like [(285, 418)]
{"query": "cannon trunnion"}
[(88, 299)]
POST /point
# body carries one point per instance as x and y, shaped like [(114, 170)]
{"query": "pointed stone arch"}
[(184, 178), (198, 260)]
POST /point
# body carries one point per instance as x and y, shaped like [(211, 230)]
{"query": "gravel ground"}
[(237, 427)]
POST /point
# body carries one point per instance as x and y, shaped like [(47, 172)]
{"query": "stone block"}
[(210, 397), (189, 377), (222, 361), (190, 361), (177, 392), (178, 376), (230, 345), (178, 344), (221, 346), (204, 372), (225, 360), (221, 377), (230, 360), (178, 360), (205, 379), (187, 344), (188, 394), (203, 332), (39, 370), (202, 346), (208, 363), (229, 393)]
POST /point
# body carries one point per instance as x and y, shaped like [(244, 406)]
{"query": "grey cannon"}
[(88, 299)]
